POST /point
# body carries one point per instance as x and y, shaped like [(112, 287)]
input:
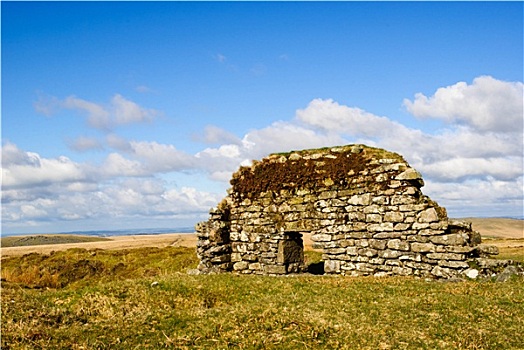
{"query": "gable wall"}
[(369, 218)]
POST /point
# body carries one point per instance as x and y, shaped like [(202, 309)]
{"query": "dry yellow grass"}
[(498, 227), (114, 243)]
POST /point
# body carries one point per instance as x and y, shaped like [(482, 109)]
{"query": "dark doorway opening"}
[(316, 268), (291, 252)]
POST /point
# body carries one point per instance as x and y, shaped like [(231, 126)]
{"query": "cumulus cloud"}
[(330, 116), (28, 169), (473, 165), (120, 201), (159, 157), (487, 104), (479, 197), (474, 148), (457, 168), (127, 112), (119, 111), (60, 190), (283, 135), (12, 155), (213, 134), (116, 165)]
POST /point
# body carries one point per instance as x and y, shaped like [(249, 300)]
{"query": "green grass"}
[(116, 310), (512, 249), (80, 266), (512, 253)]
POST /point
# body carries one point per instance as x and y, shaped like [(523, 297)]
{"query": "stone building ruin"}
[(363, 207)]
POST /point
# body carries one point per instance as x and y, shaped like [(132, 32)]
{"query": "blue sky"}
[(134, 114)]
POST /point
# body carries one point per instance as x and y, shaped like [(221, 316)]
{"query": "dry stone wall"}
[(363, 206)]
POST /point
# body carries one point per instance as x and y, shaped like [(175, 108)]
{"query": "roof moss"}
[(308, 169)]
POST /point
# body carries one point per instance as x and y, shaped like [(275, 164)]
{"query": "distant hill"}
[(498, 227), (121, 232), (25, 241)]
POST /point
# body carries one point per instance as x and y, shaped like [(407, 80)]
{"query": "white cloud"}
[(224, 151), (31, 212), (84, 143), (120, 111), (284, 136), (487, 104), (453, 169), (118, 143), (187, 200), (479, 197), (116, 197), (127, 112), (115, 165), (97, 116), (330, 116), (214, 135), (146, 158), (28, 169), (159, 157), (47, 105), (12, 155), (474, 163)]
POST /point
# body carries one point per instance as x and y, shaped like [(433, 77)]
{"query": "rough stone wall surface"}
[(362, 205)]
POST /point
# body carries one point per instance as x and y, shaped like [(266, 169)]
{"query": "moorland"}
[(135, 293)]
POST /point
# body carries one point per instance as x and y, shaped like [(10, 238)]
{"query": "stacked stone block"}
[(362, 205), (214, 245)]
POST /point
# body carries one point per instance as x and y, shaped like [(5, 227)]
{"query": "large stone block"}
[(454, 239), (389, 254), (484, 249), (241, 265), (367, 252), (363, 199), (373, 218), (397, 244), (446, 256), (384, 226), (321, 237), (453, 264), (275, 269), (393, 216), (379, 244), (428, 215), (331, 266), (422, 247)]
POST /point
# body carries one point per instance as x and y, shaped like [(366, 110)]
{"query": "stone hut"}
[(363, 207)]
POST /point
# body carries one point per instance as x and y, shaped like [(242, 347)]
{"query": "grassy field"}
[(143, 298)]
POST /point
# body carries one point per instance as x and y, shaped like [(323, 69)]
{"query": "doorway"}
[(291, 252)]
